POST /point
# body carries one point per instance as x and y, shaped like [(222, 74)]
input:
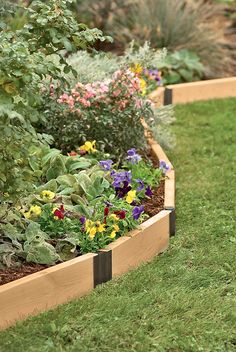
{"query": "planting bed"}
[(52, 286)]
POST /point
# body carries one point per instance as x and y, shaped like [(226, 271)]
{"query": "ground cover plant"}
[(83, 204), (183, 300)]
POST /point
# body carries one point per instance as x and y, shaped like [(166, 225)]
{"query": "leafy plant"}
[(76, 211), (181, 66), (109, 112), (25, 60)]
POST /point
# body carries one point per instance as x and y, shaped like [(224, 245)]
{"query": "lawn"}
[(184, 300)]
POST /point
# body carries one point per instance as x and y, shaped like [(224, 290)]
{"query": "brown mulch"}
[(11, 274), (155, 204)]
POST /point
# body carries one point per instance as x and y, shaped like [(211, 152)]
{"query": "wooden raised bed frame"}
[(195, 91), (77, 277)]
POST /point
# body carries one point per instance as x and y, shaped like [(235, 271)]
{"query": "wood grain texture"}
[(203, 90), (149, 240), (169, 202), (46, 289)]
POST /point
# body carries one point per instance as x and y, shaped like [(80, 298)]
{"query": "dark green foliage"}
[(181, 66)]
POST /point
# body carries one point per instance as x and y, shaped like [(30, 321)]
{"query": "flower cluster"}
[(101, 216), (148, 78), (117, 91)]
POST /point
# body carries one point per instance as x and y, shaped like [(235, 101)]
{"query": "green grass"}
[(184, 299)]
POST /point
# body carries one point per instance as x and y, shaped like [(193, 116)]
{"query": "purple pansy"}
[(106, 164), (137, 211), (133, 157), (149, 192), (82, 219), (108, 204), (164, 166), (122, 191), (140, 184), (119, 178)]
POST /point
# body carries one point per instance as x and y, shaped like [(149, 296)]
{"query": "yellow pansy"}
[(100, 227), (47, 195), (130, 196), (34, 211), (114, 217), (116, 228), (88, 224), (88, 147), (113, 234), (137, 68), (143, 86), (92, 232)]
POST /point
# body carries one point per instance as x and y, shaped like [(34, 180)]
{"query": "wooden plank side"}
[(203, 90), (159, 153), (46, 289), (157, 96), (169, 202), (151, 239)]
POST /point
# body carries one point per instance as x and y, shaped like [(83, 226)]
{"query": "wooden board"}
[(46, 289), (157, 96), (202, 90), (151, 239), (169, 202)]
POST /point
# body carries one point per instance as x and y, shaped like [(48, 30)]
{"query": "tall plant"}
[(26, 59)]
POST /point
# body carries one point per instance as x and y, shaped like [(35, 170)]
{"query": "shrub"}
[(25, 59), (107, 111)]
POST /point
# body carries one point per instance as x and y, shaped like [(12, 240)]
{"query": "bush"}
[(107, 111), (25, 60)]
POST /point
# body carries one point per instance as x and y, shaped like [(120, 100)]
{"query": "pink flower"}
[(116, 93), (138, 103)]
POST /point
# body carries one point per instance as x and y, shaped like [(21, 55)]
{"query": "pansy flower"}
[(137, 211), (122, 191), (164, 166), (119, 178), (106, 164), (130, 197), (140, 184), (149, 192), (59, 213), (133, 157)]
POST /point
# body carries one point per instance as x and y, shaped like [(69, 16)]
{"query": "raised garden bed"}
[(77, 277), (195, 91)]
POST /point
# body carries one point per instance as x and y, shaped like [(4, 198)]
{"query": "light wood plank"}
[(46, 289), (203, 90), (151, 239), (169, 202)]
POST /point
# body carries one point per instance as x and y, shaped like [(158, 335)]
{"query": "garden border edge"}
[(75, 278)]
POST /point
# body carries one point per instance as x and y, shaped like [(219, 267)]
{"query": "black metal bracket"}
[(172, 221), (168, 96), (102, 267)]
